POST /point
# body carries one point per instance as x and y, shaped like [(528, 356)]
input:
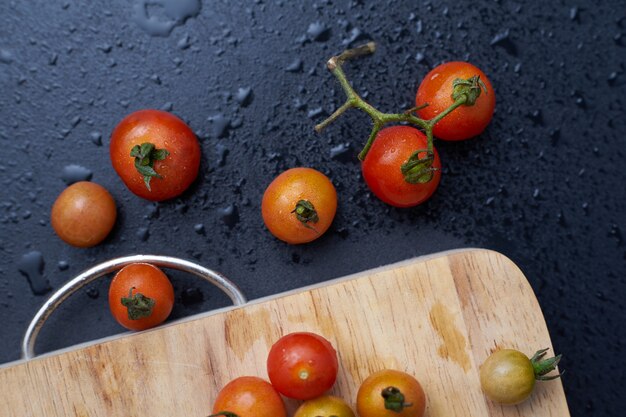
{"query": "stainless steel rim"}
[(90, 275)]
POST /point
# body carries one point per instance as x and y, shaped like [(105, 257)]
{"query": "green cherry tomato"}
[(508, 376)]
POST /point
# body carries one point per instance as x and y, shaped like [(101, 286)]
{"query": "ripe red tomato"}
[(299, 205), (382, 167), (155, 153), (465, 121), (248, 396), (390, 393), (140, 296), (83, 214), (302, 365)]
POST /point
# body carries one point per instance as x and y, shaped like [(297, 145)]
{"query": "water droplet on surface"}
[(341, 152), (75, 173), (92, 293), (191, 296), (199, 229), (184, 42), (143, 233), (503, 40), (159, 17), (220, 125), (96, 138), (244, 96), (229, 215), (31, 265), (6, 57), (318, 32), (222, 152), (295, 66), (63, 265)]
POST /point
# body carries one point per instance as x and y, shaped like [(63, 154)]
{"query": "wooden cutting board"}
[(437, 318)]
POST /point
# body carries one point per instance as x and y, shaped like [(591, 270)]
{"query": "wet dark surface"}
[(544, 184)]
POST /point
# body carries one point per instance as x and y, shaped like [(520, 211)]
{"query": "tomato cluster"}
[(304, 366)]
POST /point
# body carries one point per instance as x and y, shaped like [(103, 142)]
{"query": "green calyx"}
[(394, 399), (139, 306), (145, 156), (418, 170), (542, 367), (305, 212), (470, 88), (224, 414)]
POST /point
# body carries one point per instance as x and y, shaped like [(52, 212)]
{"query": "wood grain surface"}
[(437, 318)]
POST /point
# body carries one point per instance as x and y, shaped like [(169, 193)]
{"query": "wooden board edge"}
[(199, 316)]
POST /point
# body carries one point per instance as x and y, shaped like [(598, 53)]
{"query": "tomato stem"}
[(542, 367), (394, 399), (464, 92), (145, 156), (305, 212), (138, 305)]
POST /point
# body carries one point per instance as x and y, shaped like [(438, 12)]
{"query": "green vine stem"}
[(464, 92)]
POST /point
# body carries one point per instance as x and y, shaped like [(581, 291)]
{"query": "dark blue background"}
[(544, 184)]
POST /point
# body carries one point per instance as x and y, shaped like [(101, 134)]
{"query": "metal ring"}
[(90, 275)]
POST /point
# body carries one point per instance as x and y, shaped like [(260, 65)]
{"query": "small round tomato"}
[(302, 365), (508, 376), (390, 393), (140, 296), (382, 167), (248, 396), (299, 205), (436, 90), (155, 153), (324, 406), (83, 214)]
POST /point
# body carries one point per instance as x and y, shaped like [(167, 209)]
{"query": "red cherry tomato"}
[(302, 365), (465, 121), (382, 167), (248, 396), (141, 296), (155, 153)]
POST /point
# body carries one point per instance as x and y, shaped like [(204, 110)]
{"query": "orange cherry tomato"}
[(299, 205), (465, 121), (389, 388), (83, 214), (382, 167), (302, 365), (155, 153), (324, 406), (140, 296), (248, 396)]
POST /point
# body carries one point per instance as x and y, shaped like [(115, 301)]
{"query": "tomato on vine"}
[(508, 376), (302, 365), (248, 396), (299, 205), (390, 393), (155, 154), (393, 169), (140, 296), (436, 90)]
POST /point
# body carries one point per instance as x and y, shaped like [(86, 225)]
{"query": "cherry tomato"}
[(83, 214), (155, 153), (390, 393), (436, 90), (508, 376), (324, 406), (140, 296), (382, 167), (249, 396), (299, 205), (302, 365)]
